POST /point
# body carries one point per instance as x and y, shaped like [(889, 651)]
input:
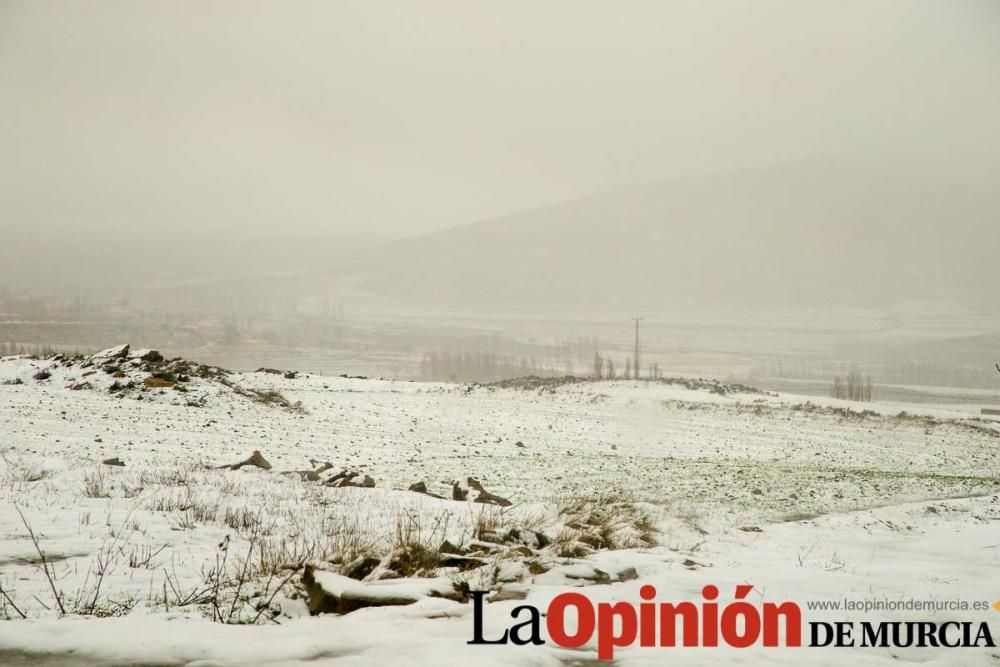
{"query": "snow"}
[(945, 555), (390, 589), (847, 505)]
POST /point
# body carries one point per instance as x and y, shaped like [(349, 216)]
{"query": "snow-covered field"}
[(804, 500)]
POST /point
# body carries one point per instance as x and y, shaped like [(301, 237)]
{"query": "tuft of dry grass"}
[(609, 521), (94, 484)]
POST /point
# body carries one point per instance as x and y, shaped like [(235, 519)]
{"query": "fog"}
[(355, 186), (393, 119)]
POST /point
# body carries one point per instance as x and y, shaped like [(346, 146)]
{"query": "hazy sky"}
[(392, 118)]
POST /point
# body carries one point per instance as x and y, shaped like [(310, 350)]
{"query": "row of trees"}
[(853, 387), (962, 369), (486, 367), (604, 367), (11, 349)]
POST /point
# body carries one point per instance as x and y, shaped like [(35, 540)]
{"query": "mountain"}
[(816, 232)]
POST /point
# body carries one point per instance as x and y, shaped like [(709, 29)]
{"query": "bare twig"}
[(45, 562), (10, 601), (245, 570), (267, 605)]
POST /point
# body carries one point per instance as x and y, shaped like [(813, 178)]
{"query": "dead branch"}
[(45, 562)]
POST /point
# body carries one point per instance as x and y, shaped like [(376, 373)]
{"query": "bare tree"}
[(598, 365)]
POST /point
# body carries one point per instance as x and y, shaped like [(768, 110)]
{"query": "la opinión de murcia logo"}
[(572, 620)]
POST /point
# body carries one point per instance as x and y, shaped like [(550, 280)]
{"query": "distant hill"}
[(803, 233)]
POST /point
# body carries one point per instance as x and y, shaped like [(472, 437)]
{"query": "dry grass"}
[(18, 473), (95, 484), (610, 521)]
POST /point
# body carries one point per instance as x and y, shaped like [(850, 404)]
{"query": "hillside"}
[(803, 233)]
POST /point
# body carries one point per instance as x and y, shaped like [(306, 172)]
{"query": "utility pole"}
[(635, 356)]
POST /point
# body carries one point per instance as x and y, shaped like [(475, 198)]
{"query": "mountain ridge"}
[(845, 233)]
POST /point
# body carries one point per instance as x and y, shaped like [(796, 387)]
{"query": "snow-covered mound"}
[(140, 374)]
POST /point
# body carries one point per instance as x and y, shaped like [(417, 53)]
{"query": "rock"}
[(481, 495), (483, 547), (580, 573), (331, 593), (256, 459), (270, 371), (360, 567), (41, 375), (114, 461), (448, 548), (319, 602), (111, 354), (751, 529), (151, 356), (334, 478), (473, 490), (359, 481), (506, 593), (519, 444), (290, 375), (420, 487), (597, 576), (80, 386), (461, 563), (628, 574)]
